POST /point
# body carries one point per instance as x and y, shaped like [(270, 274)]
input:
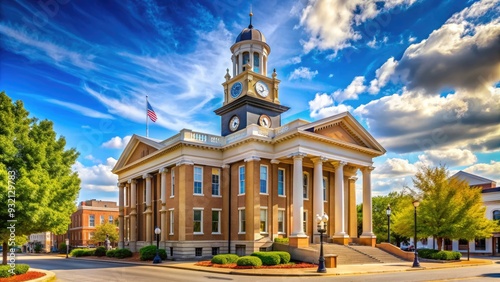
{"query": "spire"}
[(251, 14)]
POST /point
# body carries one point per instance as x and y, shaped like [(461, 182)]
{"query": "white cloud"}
[(97, 177), (323, 106), (296, 60), (80, 109), (449, 157), (352, 91), (383, 75), (117, 142), (303, 72), (330, 24), (330, 75), (394, 167)]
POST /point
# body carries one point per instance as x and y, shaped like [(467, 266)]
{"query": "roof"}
[(472, 178)]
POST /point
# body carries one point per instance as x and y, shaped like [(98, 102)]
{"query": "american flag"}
[(151, 113)]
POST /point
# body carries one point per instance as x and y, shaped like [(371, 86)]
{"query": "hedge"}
[(111, 253), (284, 256), (281, 240), (149, 253), (249, 261), (268, 258), (82, 252), (439, 255), (224, 258), (18, 269), (123, 253), (100, 251)]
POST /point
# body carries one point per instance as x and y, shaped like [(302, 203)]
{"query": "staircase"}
[(357, 254)]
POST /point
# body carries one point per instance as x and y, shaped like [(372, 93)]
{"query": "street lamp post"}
[(415, 260), (388, 211), (67, 247), (157, 258), (321, 221)]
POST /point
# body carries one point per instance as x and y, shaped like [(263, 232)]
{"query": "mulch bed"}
[(24, 277), (279, 266)]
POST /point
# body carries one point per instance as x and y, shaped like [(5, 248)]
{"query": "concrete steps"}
[(357, 254)]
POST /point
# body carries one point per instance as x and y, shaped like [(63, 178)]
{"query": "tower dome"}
[(250, 48)]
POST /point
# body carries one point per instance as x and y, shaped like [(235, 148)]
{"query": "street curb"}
[(49, 275)]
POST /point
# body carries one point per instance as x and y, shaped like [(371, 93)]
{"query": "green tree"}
[(102, 230), (39, 189), (449, 208)]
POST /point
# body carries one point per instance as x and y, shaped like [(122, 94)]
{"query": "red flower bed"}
[(30, 275), (234, 266)]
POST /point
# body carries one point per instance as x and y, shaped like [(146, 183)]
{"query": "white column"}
[(339, 200), (240, 60), (148, 208), (318, 201), (298, 197), (120, 214), (233, 59), (251, 59), (261, 64), (163, 196), (133, 210), (367, 203)]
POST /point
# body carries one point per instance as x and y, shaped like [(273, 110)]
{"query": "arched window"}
[(256, 64), (496, 215)]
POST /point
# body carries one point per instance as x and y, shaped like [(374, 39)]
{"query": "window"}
[(92, 220), (215, 182), (198, 252), (172, 184), (281, 182), (246, 59), (305, 183), (101, 221), (198, 221), (263, 179), (215, 251), (171, 221), (281, 221), (242, 222), (304, 222), (325, 185), (480, 244), (263, 220), (216, 221), (256, 64), (496, 215), (110, 219), (241, 177), (198, 183)]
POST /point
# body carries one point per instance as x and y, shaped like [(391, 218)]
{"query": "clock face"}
[(236, 89), (265, 121), (261, 89), (234, 123)]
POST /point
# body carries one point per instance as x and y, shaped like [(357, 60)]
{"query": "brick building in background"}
[(89, 215)]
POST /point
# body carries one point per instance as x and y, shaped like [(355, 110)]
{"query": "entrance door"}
[(496, 248)]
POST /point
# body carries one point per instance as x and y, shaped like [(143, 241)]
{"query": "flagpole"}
[(147, 121)]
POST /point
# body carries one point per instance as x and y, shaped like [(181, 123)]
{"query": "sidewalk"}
[(340, 270)]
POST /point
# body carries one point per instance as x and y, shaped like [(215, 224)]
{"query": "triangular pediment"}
[(344, 129), (137, 148)]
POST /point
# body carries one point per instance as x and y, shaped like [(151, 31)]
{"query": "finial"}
[(251, 14), (274, 73)]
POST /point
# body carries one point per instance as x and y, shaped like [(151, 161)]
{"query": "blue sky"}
[(421, 75)]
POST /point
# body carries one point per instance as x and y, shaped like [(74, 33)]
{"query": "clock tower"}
[(250, 97)]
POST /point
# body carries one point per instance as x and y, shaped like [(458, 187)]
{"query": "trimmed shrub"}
[(249, 261), (281, 240), (123, 253), (19, 269), (149, 253), (62, 248), (284, 256), (77, 253), (224, 258), (111, 253), (447, 255), (100, 251), (268, 258), (426, 253)]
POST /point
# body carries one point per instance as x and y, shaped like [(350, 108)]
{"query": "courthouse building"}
[(256, 181)]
